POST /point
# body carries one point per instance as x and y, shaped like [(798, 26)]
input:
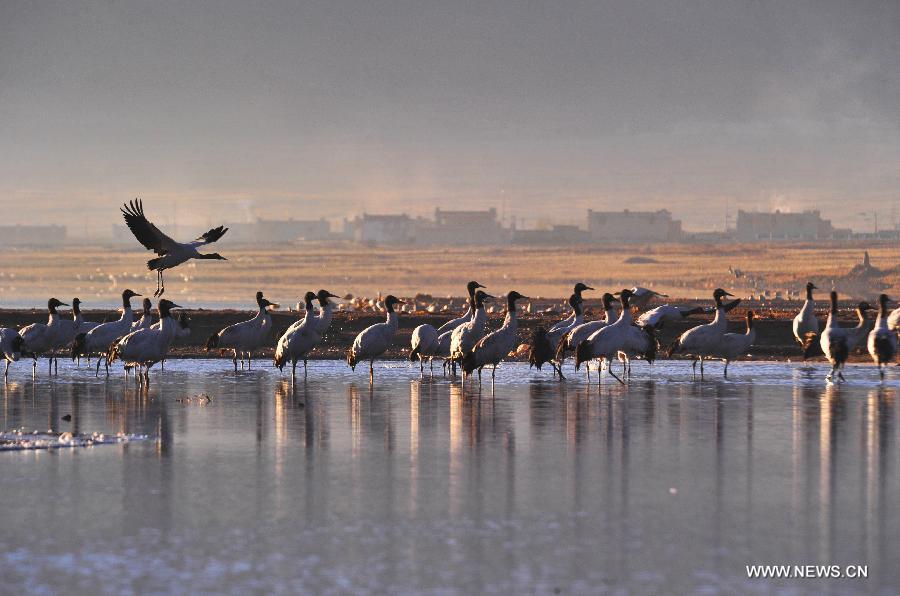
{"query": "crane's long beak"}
[(176, 306), (588, 288), (64, 304)]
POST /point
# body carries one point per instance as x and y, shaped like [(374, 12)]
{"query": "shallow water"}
[(535, 486)]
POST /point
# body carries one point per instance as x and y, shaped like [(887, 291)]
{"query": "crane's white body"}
[(144, 322), (581, 332), (882, 341), (605, 343), (374, 340), (496, 345), (464, 337), (704, 340), (145, 347), (894, 319), (805, 322), (734, 345), (666, 313), (246, 337), (857, 335), (10, 347), (834, 344), (424, 344), (640, 297), (47, 338), (298, 341), (99, 339)]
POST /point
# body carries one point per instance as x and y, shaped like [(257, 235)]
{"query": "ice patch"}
[(20, 439)]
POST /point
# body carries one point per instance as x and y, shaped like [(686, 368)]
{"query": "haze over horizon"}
[(225, 110)]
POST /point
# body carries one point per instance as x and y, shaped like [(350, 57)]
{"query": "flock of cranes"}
[(463, 342)]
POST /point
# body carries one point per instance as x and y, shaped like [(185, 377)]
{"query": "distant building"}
[(557, 235), (382, 229), (807, 225), (33, 235), (633, 226), (464, 227)]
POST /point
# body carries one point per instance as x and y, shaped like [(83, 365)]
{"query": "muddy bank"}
[(774, 337)]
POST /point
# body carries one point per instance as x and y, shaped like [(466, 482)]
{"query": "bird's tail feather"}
[(212, 342), (561, 349), (78, 346), (113, 354), (673, 348), (811, 346), (582, 353), (469, 362)]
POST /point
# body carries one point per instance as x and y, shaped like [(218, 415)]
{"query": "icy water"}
[(669, 485)]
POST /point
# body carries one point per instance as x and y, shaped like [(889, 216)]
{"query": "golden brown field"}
[(97, 275)]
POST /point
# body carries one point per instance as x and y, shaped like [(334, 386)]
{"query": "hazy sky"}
[(239, 107)]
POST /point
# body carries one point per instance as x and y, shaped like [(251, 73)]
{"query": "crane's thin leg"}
[(371, 371), (613, 375), (726, 369), (234, 360), (701, 367), (249, 358), (162, 291), (694, 367), (305, 372), (6, 372), (293, 370), (493, 372)]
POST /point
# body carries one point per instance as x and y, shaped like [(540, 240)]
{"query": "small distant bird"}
[(67, 418), (171, 253), (882, 342), (374, 340)]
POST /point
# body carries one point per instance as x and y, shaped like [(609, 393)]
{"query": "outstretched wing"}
[(146, 233), (210, 236)]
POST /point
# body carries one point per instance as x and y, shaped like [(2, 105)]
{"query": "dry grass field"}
[(97, 275)]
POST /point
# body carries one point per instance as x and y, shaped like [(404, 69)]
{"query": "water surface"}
[(534, 486)]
